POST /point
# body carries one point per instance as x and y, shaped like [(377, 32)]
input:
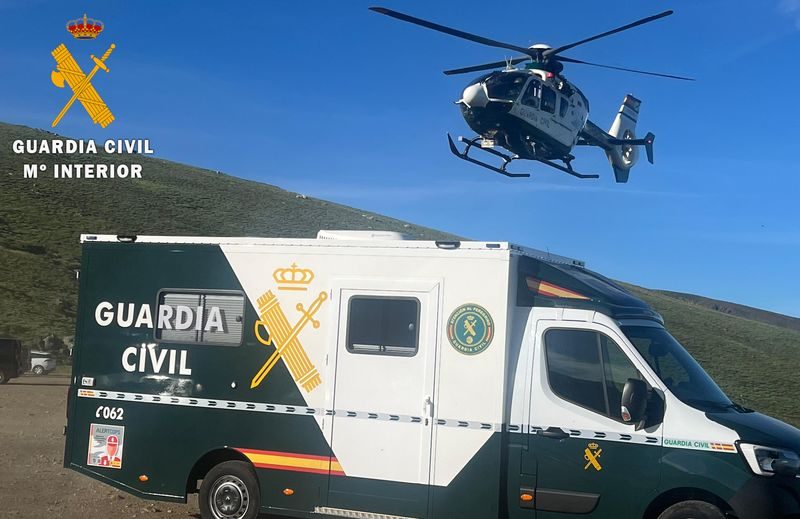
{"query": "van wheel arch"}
[(678, 495), (208, 461)]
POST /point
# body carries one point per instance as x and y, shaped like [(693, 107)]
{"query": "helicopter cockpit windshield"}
[(506, 85)]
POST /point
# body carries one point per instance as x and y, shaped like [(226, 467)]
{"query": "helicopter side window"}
[(506, 85), (532, 93), (549, 100), (563, 107)]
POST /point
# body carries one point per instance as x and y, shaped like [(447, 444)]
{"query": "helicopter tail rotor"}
[(648, 146)]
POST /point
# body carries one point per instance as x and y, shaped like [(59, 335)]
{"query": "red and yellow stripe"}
[(543, 288), (294, 462), (727, 447)]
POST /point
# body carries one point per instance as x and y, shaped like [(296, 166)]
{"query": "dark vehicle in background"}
[(13, 360)]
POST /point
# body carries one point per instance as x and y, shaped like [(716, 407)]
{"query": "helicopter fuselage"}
[(532, 113), (535, 113)]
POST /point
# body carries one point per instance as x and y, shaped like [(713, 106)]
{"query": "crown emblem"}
[(293, 278), (593, 446), (85, 28)]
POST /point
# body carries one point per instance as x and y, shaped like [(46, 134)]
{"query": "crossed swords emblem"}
[(592, 453), (67, 69), (284, 338), (469, 328)]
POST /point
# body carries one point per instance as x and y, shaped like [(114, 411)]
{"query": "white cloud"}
[(791, 8), (354, 193)]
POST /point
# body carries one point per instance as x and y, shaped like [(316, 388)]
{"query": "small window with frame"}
[(532, 93), (563, 107), (212, 317), (378, 325), (549, 99)]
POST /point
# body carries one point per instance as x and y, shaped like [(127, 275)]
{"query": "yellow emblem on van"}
[(592, 455), (283, 336)]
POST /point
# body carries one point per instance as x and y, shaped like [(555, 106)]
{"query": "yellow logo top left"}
[(68, 70)]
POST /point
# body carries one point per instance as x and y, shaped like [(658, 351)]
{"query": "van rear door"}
[(381, 432)]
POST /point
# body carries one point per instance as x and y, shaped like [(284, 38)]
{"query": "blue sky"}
[(331, 100)]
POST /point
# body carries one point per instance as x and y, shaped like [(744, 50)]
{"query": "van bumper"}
[(768, 498)]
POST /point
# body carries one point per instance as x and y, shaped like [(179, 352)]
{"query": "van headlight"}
[(768, 461)]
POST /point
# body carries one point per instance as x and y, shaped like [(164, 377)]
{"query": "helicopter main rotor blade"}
[(450, 31), (551, 52), (486, 66), (581, 62)]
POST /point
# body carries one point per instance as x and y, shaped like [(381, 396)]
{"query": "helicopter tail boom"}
[(620, 142)]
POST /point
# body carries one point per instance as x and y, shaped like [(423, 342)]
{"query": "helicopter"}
[(535, 113)]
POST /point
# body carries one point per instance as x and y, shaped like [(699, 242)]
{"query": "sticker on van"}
[(105, 445), (592, 456), (470, 329)]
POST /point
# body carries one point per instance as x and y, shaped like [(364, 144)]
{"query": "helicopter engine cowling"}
[(474, 96)]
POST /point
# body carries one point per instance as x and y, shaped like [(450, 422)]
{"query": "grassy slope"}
[(40, 222), (738, 310)]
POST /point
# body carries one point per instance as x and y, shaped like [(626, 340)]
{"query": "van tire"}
[(692, 510), (3, 376), (38, 370), (233, 484)]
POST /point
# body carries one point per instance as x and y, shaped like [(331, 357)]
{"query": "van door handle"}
[(427, 408), (554, 433)]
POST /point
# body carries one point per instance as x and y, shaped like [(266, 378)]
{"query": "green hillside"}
[(752, 361), (738, 310), (40, 221)]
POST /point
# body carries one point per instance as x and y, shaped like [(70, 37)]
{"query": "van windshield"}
[(677, 369)]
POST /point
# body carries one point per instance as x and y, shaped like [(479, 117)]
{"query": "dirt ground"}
[(33, 483)]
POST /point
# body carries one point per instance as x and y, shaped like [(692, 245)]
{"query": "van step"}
[(355, 514)]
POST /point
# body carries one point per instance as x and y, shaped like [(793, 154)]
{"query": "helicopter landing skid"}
[(567, 168), (474, 142)]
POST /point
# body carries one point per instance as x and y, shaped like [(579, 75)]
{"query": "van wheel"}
[(692, 510), (3, 377), (38, 370), (230, 491)]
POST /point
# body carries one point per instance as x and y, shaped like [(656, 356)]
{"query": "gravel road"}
[(33, 483)]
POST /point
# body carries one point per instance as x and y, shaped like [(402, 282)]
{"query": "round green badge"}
[(470, 329)]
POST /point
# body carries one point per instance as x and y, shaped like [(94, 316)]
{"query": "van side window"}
[(549, 100), (588, 369), (383, 325), (200, 317)]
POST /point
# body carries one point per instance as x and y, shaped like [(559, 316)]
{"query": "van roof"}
[(339, 239), (593, 290)]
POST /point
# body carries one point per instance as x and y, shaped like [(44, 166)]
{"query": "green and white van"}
[(363, 375)]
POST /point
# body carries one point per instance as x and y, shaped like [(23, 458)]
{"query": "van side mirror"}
[(634, 401)]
